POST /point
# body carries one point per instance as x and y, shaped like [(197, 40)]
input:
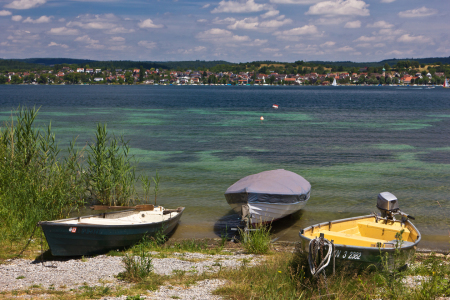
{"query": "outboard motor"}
[(387, 203)]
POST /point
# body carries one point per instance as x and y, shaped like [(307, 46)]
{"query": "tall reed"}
[(34, 183), (110, 175)]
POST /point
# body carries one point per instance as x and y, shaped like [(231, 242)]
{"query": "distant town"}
[(298, 73)]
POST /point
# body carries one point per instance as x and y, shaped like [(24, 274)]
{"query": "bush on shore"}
[(37, 183), (34, 184)]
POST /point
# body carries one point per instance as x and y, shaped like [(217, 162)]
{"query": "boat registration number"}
[(347, 254)]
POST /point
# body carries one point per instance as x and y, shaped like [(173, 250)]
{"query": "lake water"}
[(350, 143)]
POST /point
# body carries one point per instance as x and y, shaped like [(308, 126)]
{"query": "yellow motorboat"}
[(365, 238)]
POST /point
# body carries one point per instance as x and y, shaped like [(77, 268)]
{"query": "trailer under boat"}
[(100, 233), (366, 239)]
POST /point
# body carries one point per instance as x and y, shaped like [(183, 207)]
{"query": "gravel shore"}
[(64, 275)]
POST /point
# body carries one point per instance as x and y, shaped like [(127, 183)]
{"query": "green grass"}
[(37, 183), (285, 275), (257, 239)]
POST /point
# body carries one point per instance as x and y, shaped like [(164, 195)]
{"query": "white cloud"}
[(387, 1), (149, 24), (247, 23), (331, 21), (305, 30), (43, 19), (364, 45), (307, 49), (118, 48), (221, 36), (90, 25), (345, 49), (117, 39), (206, 5), (366, 38), (202, 21), (86, 39), (406, 38), (107, 22), (199, 48), (269, 50), (270, 13), (5, 13), (418, 12), (16, 18), (254, 24), (380, 24), (223, 21), (340, 7), (189, 51), (95, 46), (52, 44), (258, 42), (61, 20), (380, 45), (63, 31), (119, 29), (245, 6), (147, 44), (386, 32), (25, 4), (399, 53), (274, 23), (354, 24), (443, 49), (294, 1), (328, 44)]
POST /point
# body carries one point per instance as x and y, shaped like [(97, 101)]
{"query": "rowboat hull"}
[(376, 251), (268, 212), (76, 237)]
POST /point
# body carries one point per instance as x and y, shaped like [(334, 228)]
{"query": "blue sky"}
[(235, 30)]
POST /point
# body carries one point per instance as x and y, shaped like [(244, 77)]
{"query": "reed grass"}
[(110, 174), (137, 268), (38, 183), (35, 184), (257, 239)]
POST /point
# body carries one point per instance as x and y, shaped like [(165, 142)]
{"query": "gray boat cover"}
[(275, 186)]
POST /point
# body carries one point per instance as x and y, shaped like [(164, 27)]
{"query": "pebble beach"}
[(72, 274)]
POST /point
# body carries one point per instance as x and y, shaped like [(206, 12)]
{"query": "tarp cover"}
[(275, 186)]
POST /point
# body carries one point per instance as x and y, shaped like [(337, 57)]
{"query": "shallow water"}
[(350, 143)]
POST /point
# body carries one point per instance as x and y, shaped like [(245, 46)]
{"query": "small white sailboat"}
[(334, 82), (445, 83)]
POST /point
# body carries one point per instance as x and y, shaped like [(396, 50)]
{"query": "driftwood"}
[(136, 207)]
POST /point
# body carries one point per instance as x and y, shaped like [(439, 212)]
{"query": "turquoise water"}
[(351, 143)]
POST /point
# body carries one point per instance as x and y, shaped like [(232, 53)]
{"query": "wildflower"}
[(280, 272)]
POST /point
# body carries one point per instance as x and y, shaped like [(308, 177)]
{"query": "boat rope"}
[(314, 246)]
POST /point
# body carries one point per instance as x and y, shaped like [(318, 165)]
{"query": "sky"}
[(231, 30)]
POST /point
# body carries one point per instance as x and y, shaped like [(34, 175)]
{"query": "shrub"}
[(257, 239), (35, 184), (137, 268), (110, 176)]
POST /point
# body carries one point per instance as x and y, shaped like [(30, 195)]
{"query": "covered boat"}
[(96, 234), (365, 239), (269, 195)]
